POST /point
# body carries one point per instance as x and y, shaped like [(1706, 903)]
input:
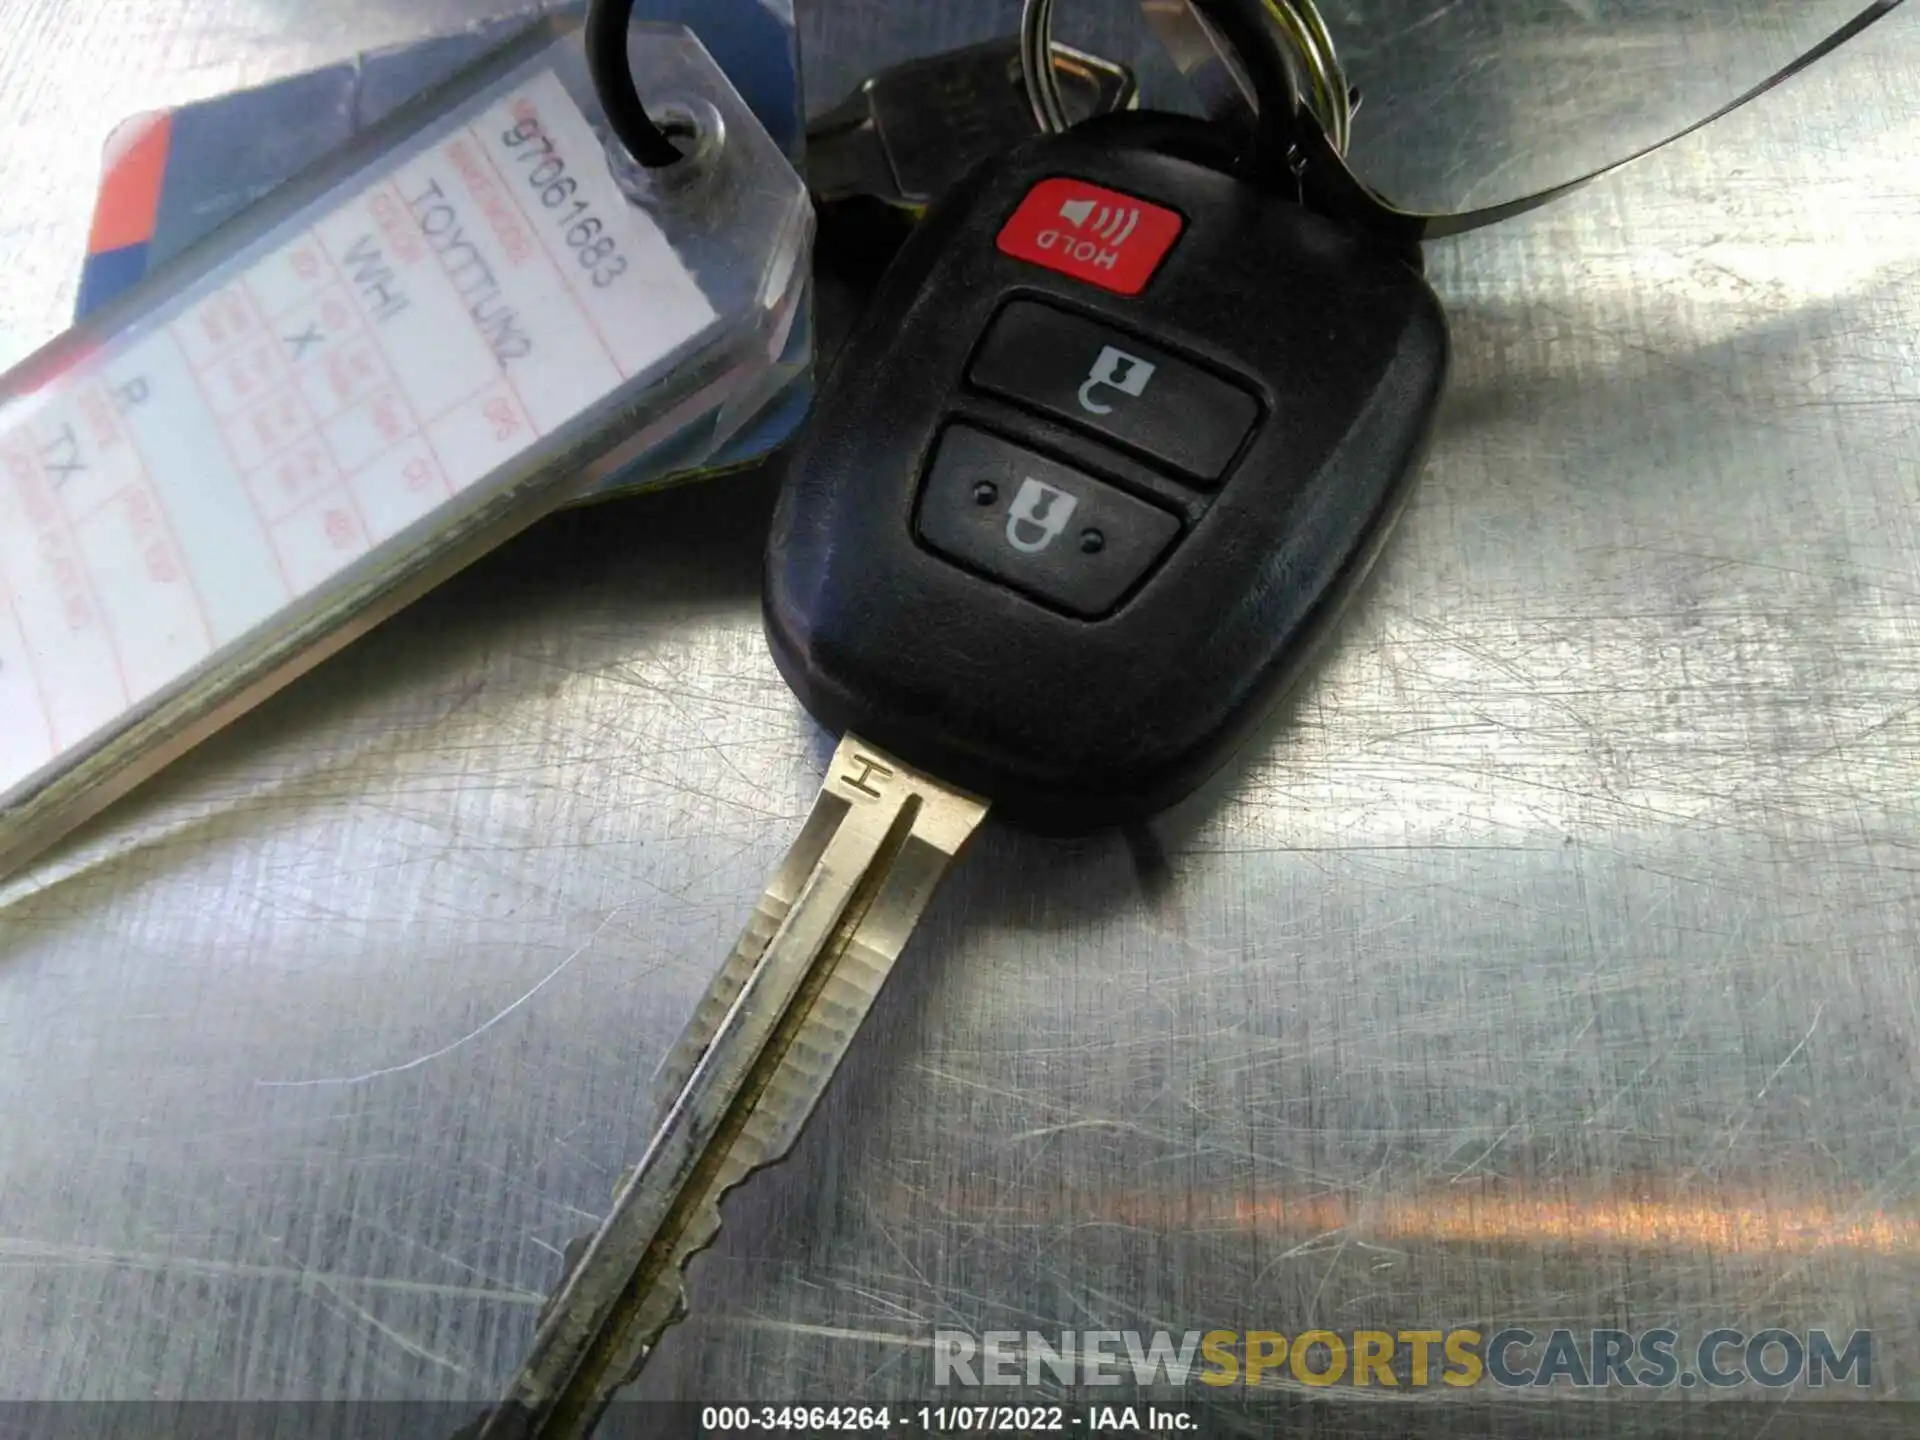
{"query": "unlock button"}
[(1044, 528), (1134, 394)]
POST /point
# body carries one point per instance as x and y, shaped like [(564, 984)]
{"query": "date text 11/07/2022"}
[(1254, 1363), (945, 1419)]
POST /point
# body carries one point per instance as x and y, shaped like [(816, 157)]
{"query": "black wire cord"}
[(608, 24)]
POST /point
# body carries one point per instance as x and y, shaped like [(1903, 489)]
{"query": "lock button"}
[(1135, 395), (1046, 529)]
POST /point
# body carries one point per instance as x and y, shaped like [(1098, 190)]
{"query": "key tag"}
[(376, 375)]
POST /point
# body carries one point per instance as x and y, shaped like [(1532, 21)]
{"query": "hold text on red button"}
[(1091, 233)]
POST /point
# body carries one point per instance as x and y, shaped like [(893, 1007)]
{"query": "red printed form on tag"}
[(177, 488), (1092, 233)]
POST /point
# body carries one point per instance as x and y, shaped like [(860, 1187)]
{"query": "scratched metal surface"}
[(1553, 960)]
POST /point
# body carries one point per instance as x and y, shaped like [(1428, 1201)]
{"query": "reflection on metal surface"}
[(1500, 1217), (1585, 860)]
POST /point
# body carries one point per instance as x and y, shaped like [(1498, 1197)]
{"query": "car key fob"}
[(1119, 434)]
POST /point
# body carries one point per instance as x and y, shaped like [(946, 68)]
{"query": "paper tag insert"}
[(192, 479)]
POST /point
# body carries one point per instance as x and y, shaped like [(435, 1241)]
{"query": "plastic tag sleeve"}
[(364, 383)]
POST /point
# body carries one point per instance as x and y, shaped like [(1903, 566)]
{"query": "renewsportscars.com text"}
[(1459, 1359)]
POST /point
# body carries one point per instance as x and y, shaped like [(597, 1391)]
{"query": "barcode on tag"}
[(183, 485)]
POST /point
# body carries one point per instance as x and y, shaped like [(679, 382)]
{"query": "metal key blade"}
[(752, 1065), (912, 130)]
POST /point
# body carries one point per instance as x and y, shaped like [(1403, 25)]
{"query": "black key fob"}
[(1119, 434)]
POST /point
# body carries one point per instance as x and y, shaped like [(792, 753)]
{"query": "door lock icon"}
[(1040, 513), (1116, 370)]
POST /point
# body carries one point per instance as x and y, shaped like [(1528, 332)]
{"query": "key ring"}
[(1278, 42), (1298, 62)]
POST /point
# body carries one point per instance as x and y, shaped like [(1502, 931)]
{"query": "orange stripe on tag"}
[(129, 205)]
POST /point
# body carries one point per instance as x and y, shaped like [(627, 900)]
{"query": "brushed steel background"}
[(1552, 960)]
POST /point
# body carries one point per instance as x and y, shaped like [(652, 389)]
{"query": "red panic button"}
[(1091, 233)]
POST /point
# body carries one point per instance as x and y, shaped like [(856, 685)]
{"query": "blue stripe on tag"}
[(110, 274)]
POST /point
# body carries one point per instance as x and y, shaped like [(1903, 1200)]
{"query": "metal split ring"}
[(1301, 44)]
